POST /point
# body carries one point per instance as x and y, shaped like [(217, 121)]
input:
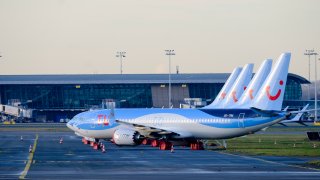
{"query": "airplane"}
[(168, 127), (296, 119)]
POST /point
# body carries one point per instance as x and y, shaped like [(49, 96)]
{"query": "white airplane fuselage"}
[(185, 123)]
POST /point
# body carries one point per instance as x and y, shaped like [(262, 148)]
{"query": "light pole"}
[(120, 55), (170, 53), (315, 88), (310, 53)]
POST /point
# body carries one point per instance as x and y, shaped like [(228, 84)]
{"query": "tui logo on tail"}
[(251, 94), (223, 95), (234, 96), (275, 97)]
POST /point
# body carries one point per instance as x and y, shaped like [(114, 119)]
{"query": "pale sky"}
[(209, 36)]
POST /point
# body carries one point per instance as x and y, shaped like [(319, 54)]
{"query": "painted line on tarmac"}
[(30, 158), (272, 162)]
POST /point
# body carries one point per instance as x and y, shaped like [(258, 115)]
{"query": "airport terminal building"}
[(56, 97)]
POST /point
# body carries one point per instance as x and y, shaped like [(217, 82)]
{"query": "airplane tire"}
[(196, 146), (154, 143), (145, 142), (162, 145)]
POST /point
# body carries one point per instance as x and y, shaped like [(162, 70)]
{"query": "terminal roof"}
[(122, 78)]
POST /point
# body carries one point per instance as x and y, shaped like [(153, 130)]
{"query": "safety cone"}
[(92, 143), (85, 141), (172, 149), (30, 148), (61, 141), (21, 138), (95, 146), (103, 150)]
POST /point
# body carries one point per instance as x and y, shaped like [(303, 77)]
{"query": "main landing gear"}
[(162, 144), (166, 145), (146, 142), (155, 143), (196, 145), (96, 145)]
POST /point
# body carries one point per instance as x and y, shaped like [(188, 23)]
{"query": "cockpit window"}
[(78, 118)]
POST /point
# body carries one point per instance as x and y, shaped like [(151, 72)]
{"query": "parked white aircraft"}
[(188, 126)]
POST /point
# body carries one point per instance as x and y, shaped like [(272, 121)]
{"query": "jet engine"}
[(127, 137)]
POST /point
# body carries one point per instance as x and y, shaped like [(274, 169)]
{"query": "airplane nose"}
[(70, 125)]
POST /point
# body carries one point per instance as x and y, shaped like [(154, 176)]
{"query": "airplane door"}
[(240, 118)]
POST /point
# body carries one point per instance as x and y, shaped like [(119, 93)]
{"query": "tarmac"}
[(74, 160)]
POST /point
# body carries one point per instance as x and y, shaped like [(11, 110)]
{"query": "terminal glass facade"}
[(293, 90), (204, 90), (77, 96)]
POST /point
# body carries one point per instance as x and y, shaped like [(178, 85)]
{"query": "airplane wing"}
[(286, 109), (300, 113), (153, 131), (303, 111), (148, 130), (296, 119), (266, 113)]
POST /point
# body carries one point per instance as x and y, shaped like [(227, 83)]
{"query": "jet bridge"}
[(13, 112)]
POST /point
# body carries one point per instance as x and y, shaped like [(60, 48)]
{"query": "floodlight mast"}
[(315, 88), (169, 53), (310, 53), (121, 55)]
